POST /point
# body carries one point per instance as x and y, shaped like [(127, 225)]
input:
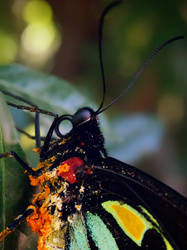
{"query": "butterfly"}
[(88, 200)]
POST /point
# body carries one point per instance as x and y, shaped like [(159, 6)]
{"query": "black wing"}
[(116, 184)]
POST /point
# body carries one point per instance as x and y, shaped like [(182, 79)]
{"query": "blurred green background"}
[(60, 37)]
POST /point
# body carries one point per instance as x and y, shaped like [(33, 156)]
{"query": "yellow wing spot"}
[(131, 221)]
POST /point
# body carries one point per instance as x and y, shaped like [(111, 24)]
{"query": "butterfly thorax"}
[(67, 164), (85, 140)]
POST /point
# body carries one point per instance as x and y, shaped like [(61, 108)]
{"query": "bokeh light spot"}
[(37, 11), (139, 34), (8, 48), (37, 39)]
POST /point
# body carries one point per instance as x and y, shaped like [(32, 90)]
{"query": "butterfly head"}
[(85, 131), (84, 116), (82, 119)]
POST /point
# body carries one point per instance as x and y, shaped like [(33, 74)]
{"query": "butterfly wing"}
[(111, 205), (132, 210)]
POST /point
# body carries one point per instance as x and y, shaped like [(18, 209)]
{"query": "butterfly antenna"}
[(155, 52), (100, 39)]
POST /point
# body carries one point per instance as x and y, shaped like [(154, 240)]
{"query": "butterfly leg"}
[(37, 136), (37, 130), (17, 221), (28, 135), (31, 136), (32, 108), (46, 144), (18, 159)]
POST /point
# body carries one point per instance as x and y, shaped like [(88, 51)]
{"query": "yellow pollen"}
[(36, 150), (78, 207), (64, 168), (53, 158), (63, 141)]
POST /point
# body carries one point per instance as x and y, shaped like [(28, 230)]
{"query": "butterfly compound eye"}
[(82, 116)]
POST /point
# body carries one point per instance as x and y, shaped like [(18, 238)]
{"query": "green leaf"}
[(13, 182), (46, 91)]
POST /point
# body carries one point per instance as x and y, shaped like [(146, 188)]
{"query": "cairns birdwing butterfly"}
[(88, 200)]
